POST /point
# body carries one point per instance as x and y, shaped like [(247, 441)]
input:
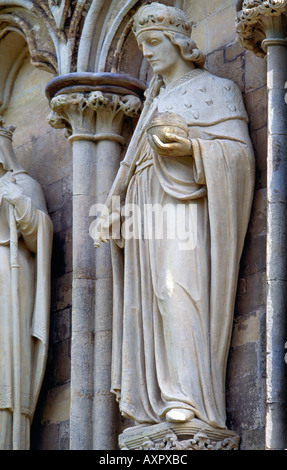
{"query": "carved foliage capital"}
[(111, 108), (111, 103), (254, 19), (92, 113), (69, 111)]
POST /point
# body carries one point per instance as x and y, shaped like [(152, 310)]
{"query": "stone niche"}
[(46, 155)]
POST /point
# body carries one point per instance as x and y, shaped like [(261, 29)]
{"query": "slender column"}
[(276, 417), (91, 107), (110, 109), (262, 27)]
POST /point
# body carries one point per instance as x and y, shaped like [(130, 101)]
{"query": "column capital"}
[(261, 23), (70, 112), (92, 106)]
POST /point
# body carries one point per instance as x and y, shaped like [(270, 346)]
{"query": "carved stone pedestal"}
[(194, 435)]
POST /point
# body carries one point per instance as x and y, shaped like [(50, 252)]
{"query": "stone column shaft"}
[(105, 411), (262, 28), (106, 417), (276, 319), (83, 294)]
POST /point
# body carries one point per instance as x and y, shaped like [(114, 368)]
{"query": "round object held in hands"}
[(167, 123)]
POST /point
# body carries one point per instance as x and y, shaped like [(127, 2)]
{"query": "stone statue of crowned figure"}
[(174, 303)]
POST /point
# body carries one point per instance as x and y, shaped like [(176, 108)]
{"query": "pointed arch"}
[(19, 17), (13, 50)]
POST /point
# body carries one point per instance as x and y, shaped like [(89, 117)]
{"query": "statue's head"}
[(7, 155), (171, 22)]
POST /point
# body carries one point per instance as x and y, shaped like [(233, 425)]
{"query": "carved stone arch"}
[(107, 28), (22, 33), (117, 37), (119, 52), (31, 27), (13, 50), (52, 29)]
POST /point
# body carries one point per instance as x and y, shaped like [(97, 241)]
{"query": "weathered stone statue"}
[(25, 254), (174, 304)]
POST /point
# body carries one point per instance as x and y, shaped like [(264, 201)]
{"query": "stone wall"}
[(214, 33), (46, 155)]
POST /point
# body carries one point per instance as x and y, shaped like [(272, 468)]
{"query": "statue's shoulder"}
[(202, 97), (31, 189), (25, 180), (207, 82), (213, 78)]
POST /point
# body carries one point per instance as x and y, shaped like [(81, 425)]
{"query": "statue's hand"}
[(102, 231), (177, 147), (13, 193)]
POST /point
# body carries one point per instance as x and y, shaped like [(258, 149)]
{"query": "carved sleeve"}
[(199, 174), (28, 224)]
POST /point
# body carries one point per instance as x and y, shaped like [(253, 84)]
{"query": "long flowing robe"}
[(173, 307), (34, 258)]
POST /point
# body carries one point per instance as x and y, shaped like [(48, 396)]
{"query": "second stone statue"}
[(26, 234)]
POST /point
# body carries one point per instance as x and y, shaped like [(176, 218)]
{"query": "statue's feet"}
[(179, 415)]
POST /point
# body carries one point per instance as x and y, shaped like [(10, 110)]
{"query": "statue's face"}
[(159, 51)]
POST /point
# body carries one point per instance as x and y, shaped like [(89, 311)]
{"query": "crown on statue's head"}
[(156, 16), (6, 131)]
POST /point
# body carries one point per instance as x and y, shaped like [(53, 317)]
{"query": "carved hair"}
[(188, 48)]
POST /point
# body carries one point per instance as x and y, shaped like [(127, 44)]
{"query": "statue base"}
[(193, 435)]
